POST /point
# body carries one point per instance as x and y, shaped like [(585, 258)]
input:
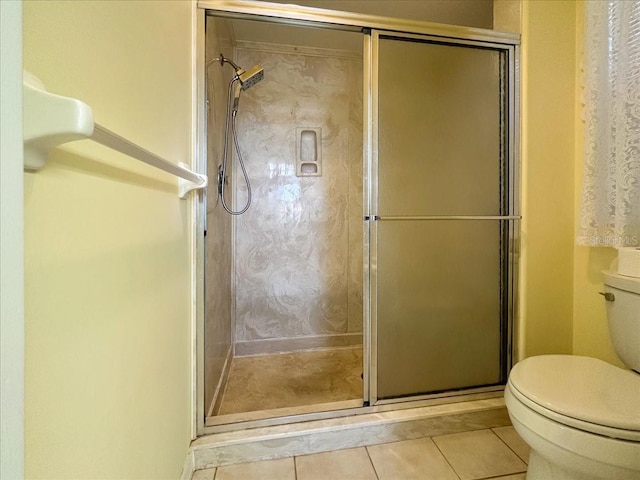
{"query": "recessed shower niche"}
[(377, 247), (309, 152)]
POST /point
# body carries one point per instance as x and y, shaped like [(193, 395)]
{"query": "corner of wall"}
[(11, 245), (548, 176)]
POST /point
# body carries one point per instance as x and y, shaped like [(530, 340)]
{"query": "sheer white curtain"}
[(610, 211)]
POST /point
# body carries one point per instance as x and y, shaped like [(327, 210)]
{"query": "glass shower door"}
[(441, 215)]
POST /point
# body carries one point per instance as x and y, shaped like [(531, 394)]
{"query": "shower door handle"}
[(371, 217)]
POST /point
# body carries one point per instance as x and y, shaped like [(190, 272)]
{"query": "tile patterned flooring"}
[(286, 380), (497, 453)]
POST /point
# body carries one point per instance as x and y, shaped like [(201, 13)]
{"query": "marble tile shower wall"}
[(218, 293), (298, 257)]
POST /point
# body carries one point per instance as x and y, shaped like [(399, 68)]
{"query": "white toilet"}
[(580, 415)]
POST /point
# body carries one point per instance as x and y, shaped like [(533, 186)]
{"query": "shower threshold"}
[(367, 426), (282, 412)]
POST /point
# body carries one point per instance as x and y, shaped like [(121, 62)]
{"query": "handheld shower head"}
[(242, 80), (249, 78), (246, 80), (236, 97)]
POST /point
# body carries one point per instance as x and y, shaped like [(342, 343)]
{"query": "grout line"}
[(295, 468), (514, 452), (444, 456), (366, 449), (502, 476)]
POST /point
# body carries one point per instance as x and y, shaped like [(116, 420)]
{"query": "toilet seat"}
[(580, 392)]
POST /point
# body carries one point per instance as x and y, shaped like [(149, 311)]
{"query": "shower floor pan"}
[(274, 385)]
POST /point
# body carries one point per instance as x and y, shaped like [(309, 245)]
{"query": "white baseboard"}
[(189, 467)]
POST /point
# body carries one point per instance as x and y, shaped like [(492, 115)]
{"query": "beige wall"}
[(476, 13), (548, 162), (107, 247), (560, 310), (507, 15)]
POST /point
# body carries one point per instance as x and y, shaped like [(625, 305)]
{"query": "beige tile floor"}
[(285, 380), (498, 453)]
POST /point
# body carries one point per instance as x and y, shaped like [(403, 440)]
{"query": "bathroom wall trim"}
[(188, 467), (198, 225), (297, 344), (298, 50), (12, 322), (222, 385)]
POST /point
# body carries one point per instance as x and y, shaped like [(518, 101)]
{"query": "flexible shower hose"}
[(231, 116)]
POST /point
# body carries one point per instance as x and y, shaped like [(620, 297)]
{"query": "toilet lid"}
[(581, 391)]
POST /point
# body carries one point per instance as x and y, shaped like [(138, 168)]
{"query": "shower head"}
[(247, 78), (250, 77)]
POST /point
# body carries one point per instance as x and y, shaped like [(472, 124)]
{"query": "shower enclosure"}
[(376, 266)]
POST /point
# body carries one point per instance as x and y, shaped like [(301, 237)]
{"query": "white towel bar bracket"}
[(51, 120), (186, 186)]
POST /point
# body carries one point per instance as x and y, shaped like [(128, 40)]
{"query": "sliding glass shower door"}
[(441, 214)]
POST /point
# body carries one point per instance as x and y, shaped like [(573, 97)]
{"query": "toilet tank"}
[(623, 313)]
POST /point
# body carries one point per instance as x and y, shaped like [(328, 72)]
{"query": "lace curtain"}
[(610, 212)]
